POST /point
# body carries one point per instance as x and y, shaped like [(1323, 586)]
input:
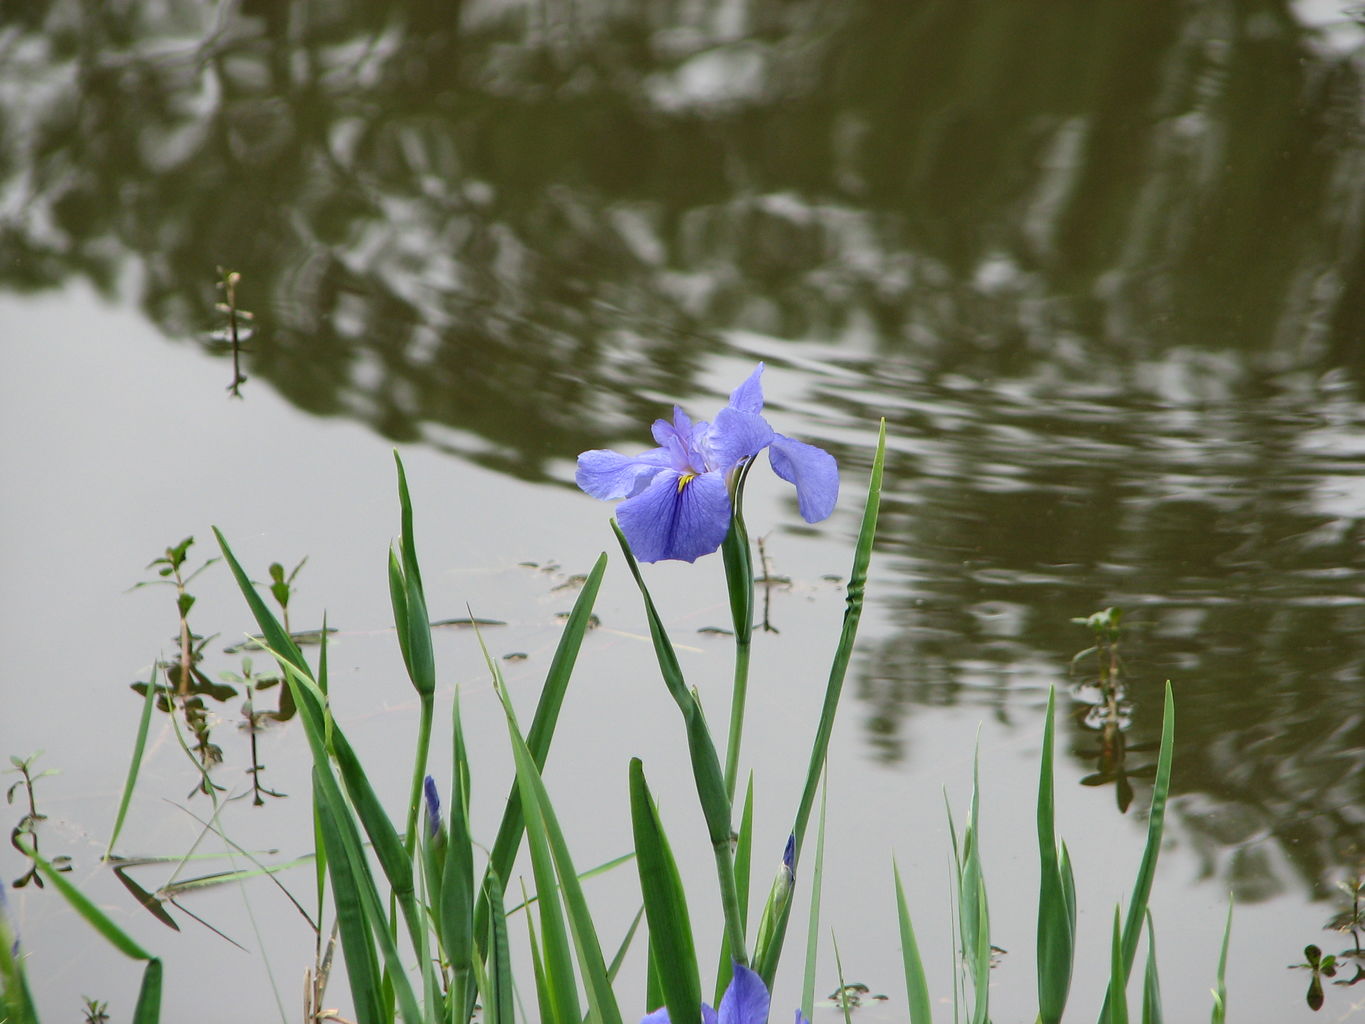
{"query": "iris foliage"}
[(421, 906)]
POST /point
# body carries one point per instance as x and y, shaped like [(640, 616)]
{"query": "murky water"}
[(1101, 267)]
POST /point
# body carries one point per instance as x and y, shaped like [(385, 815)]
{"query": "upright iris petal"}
[(677, 496)]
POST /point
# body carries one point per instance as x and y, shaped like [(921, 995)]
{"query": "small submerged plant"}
[(1326, 965), (27, 825), (186, 681)]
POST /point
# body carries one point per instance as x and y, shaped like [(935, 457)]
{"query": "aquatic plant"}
[(424, 932)]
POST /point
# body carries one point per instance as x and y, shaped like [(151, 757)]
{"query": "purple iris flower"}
[(745, 1002), (678, 496)]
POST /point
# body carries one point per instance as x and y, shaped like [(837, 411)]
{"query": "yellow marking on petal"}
[(684, 480)]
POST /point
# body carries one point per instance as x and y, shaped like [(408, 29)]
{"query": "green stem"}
[(729, 902), (419, 770), (737, 697), (739, 580)]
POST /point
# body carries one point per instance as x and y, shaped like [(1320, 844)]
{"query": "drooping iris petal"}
[(801, 1018), (734, 436), (708, 1015), (659, 1016), (746, 1000), (609, 475), (813, 471), (748, 397), (678, 515)]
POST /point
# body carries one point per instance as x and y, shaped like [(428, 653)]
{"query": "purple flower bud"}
[(433, 807)]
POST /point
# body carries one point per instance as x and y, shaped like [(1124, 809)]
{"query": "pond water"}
[(1100, 267)]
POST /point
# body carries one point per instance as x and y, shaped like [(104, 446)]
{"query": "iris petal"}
[(735, 436), (746, 1000), (813, 471), (748, 397), (677, 516), (609, 475)]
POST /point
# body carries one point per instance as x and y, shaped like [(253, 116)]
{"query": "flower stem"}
[(739, 579), (737, 698), (729, 902), (419, 771)]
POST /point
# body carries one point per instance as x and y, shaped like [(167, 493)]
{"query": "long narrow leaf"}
[(135, 764), (1056, 928), (147, 1009), (456, 890), (975, 916), (499, 1002), (817, 878), (542, 730), (1156, 820), (670, 927), (93, 915), (707, 776), (602, 1004), (1118, 977), (1151, 984), (362, 965), (616, 961), (276, 636), (543, 1004), (1220, 990), (16, 1000), (916, 987), (766, 962)]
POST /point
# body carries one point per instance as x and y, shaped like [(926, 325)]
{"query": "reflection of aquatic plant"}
[(237, 330), (254, 719), (1109, 714), (1104, 625)]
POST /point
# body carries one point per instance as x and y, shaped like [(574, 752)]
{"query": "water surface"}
[(1100, 267)]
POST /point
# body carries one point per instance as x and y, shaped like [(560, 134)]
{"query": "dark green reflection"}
[(1231, 535), (484, 220)]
